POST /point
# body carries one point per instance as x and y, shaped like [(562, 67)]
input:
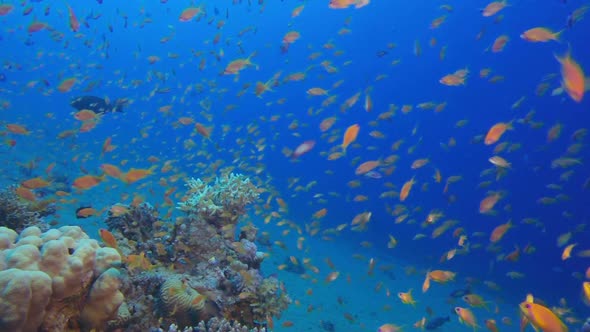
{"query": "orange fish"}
[(86, 115), (189, 13), (491, 325), (499, 232), (87, 181), (66, 85), (540, 35), (136, 174), (327, 123), (35, 183), (466, 317), (74, 24), (406, 189), (500, 43), (350, 136), (441, 276), (108, 238), (37, 26), (332, 276), (366, 167), (495, 132), (572, 77), (540, 317), (297, 11), (111, 170), (5, 9), (488, 203), (493, 8), (17, 129), (407, 297), (203, 131), (86, 212), (25, 194), (342, 4), (234, 67)]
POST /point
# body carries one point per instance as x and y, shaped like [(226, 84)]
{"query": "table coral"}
[(48, 278)]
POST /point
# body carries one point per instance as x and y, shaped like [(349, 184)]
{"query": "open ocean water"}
[(395, 137)]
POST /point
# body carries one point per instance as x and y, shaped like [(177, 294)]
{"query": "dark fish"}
[(435, 323), (457, 293), (97, 104), (570, 21), (381, 54)]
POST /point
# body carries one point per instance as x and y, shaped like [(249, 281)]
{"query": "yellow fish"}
[(540, 317)]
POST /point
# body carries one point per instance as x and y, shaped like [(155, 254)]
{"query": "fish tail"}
[(557, 35)]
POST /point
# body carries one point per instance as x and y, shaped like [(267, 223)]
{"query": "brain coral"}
[(178, 297)]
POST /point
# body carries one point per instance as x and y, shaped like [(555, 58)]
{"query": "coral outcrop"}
[(208, 266), (58, 280), (16, 213)]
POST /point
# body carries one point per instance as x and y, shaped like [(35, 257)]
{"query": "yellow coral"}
[(179, 298)]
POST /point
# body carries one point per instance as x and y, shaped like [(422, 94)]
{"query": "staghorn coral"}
[(56, 281), (221, 203), (16, 213)]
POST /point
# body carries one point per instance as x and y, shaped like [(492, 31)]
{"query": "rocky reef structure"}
[(58, 280), (199, 267), (214, 325), (17, 213)]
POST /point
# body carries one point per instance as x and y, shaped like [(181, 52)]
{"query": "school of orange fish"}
[(329, 128)]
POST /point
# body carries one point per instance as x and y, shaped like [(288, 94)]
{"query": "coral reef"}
[(223, 325), (207, 266), (214, 325), (135, 223), (59, 280), (16, 213)]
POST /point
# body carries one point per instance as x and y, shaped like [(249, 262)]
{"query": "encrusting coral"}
[(56, 281)]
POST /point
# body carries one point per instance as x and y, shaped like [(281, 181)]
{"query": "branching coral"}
[(223, 202), (47, 279)]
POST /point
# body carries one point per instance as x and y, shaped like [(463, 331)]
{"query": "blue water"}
[(116, 58)]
